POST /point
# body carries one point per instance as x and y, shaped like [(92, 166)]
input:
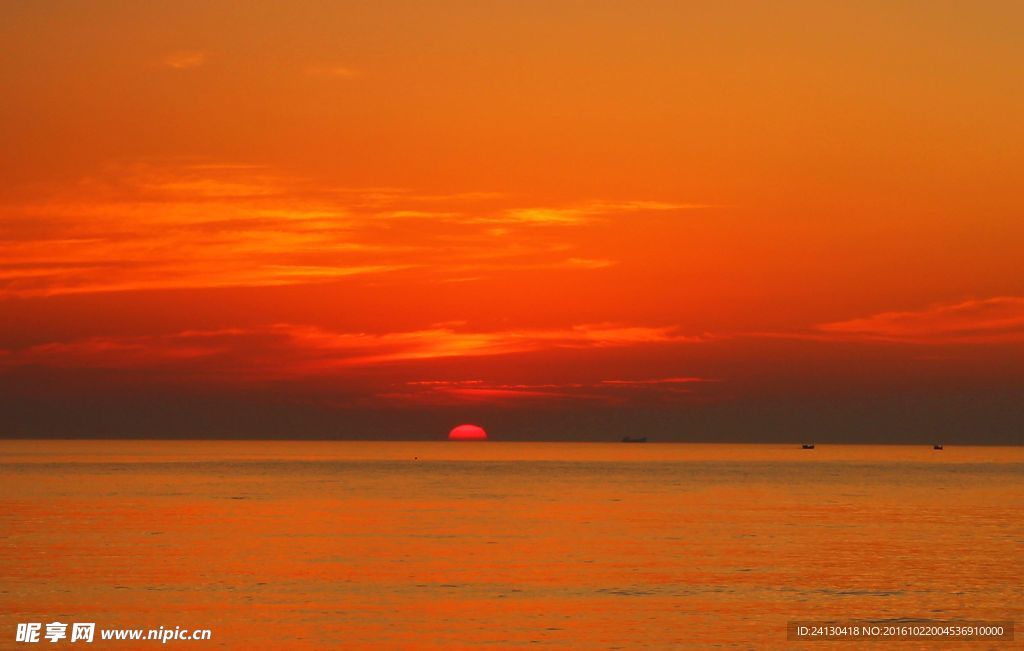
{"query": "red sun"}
[(467, 433)]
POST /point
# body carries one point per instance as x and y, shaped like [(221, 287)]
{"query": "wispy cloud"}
[(216, 224), (584, 212), (657, 381), (990, 320), (447, 342), (183, 59), (336, 71), (434, 392), (288, 350)]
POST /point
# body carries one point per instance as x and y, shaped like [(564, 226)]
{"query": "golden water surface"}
[(403, 545)]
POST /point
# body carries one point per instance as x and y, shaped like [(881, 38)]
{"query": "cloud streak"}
[(205, 225), (456, 392), (336, 71), (977, 321), (183, 59), (285, 351)]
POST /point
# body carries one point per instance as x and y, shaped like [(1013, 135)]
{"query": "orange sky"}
[(703, 219)]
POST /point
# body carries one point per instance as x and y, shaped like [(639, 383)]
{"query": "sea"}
[(505, 545)]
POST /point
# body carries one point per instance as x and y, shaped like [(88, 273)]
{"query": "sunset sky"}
[(560, 219)]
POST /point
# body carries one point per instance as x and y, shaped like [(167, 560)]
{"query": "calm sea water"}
[(308, 545)]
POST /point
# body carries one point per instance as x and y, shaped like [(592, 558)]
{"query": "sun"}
[(467, 433)]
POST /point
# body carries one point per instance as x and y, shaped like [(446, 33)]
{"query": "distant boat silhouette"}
[(630, 439), (937, 446), (807, 446)]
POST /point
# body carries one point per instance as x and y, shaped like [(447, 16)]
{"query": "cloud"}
[(364, 349), (107, 352), (977, 321), (209, 224), (186, 259), (588, 263), (475, 391), (184, 59), (336, 71), (658, 381), (281, 351), (435, 392), (582, 213)]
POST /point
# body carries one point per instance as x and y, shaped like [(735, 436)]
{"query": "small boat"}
[(937, 446), (807, 446), (630, 439)]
